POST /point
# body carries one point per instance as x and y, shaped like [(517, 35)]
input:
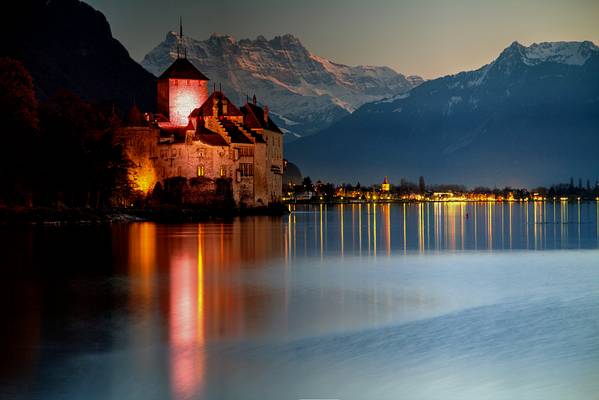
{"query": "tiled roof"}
[(254, 118), (236, 135), (206, 108), (182, 68), (206, 136)]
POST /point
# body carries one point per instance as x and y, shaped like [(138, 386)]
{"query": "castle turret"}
[(181, 89)]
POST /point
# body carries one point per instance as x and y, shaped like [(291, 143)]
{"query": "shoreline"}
[(162, 214)]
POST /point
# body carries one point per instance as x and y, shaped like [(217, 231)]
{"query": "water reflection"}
[(236, 309), (426, 227)]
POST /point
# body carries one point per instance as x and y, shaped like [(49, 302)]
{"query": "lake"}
[(354, 301)]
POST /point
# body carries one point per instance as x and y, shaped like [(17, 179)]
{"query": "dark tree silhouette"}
[(18, 112)]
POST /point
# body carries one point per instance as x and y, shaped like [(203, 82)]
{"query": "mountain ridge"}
[(310, 91), (474, 127)]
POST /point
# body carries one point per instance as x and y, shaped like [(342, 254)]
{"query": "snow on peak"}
[(571, 53)]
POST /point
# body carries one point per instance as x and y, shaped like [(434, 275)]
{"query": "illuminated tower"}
[(181, 88), (385, 187)]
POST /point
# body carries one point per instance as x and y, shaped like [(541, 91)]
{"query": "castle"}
[(218, 147)]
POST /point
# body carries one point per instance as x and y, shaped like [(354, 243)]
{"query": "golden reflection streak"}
[(142, 257), (450, 223), (462, 222), (490, 226), (535, 210), (360, 228), (502, 227), (142, 265), (342, 228), (387, 225), (564, 222), (405, 239), (201, 328), (294, 235), (579, 223), (554, 224), (436, 225), (374, 229), (321, 236), (544, 224), (288, 239), (526, 224), (475, 228), (510, 222), (368, 225), (353, 225), (428, 230), (420, 227)]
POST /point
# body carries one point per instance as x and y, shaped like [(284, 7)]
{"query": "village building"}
[(218, 147)]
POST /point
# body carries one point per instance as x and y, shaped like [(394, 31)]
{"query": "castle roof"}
[(206, 136), (254, 118), (236, 135), (182, 68), (205, 110)]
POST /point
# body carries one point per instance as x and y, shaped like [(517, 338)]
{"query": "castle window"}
[(201, 170), (223, 172), (246, 152), (247, 169)]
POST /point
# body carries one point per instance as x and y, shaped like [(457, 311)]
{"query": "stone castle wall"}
[(155, 159)]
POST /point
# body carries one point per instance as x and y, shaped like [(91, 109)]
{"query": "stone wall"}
[(255, 170)]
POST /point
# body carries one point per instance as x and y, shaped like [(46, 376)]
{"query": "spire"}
[(180, 46)]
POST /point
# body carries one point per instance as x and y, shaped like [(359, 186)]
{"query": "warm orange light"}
[(144, 179)]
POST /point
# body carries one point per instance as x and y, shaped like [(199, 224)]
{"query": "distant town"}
[(406, 191)]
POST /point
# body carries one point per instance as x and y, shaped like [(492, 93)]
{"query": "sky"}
[(430, 38)]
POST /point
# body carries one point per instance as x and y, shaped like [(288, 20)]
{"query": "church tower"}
[(181, 88)]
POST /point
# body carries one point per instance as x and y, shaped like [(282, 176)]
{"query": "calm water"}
[(429, 301)]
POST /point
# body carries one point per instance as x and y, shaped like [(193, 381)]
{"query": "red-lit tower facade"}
[(181, 88)]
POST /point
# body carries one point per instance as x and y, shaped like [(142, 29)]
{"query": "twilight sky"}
[(430, 38)]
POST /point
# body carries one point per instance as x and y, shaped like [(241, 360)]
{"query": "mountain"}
[(529, 117), (66, 44), (306, 93)]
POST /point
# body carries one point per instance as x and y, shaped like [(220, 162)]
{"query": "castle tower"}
[(181, 88), (386, 186)]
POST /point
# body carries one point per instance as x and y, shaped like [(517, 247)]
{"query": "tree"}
[(421, 185), (307, 184), (19, 114)]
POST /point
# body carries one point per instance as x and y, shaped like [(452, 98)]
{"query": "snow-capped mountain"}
[(305, 92), (529, 117)]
